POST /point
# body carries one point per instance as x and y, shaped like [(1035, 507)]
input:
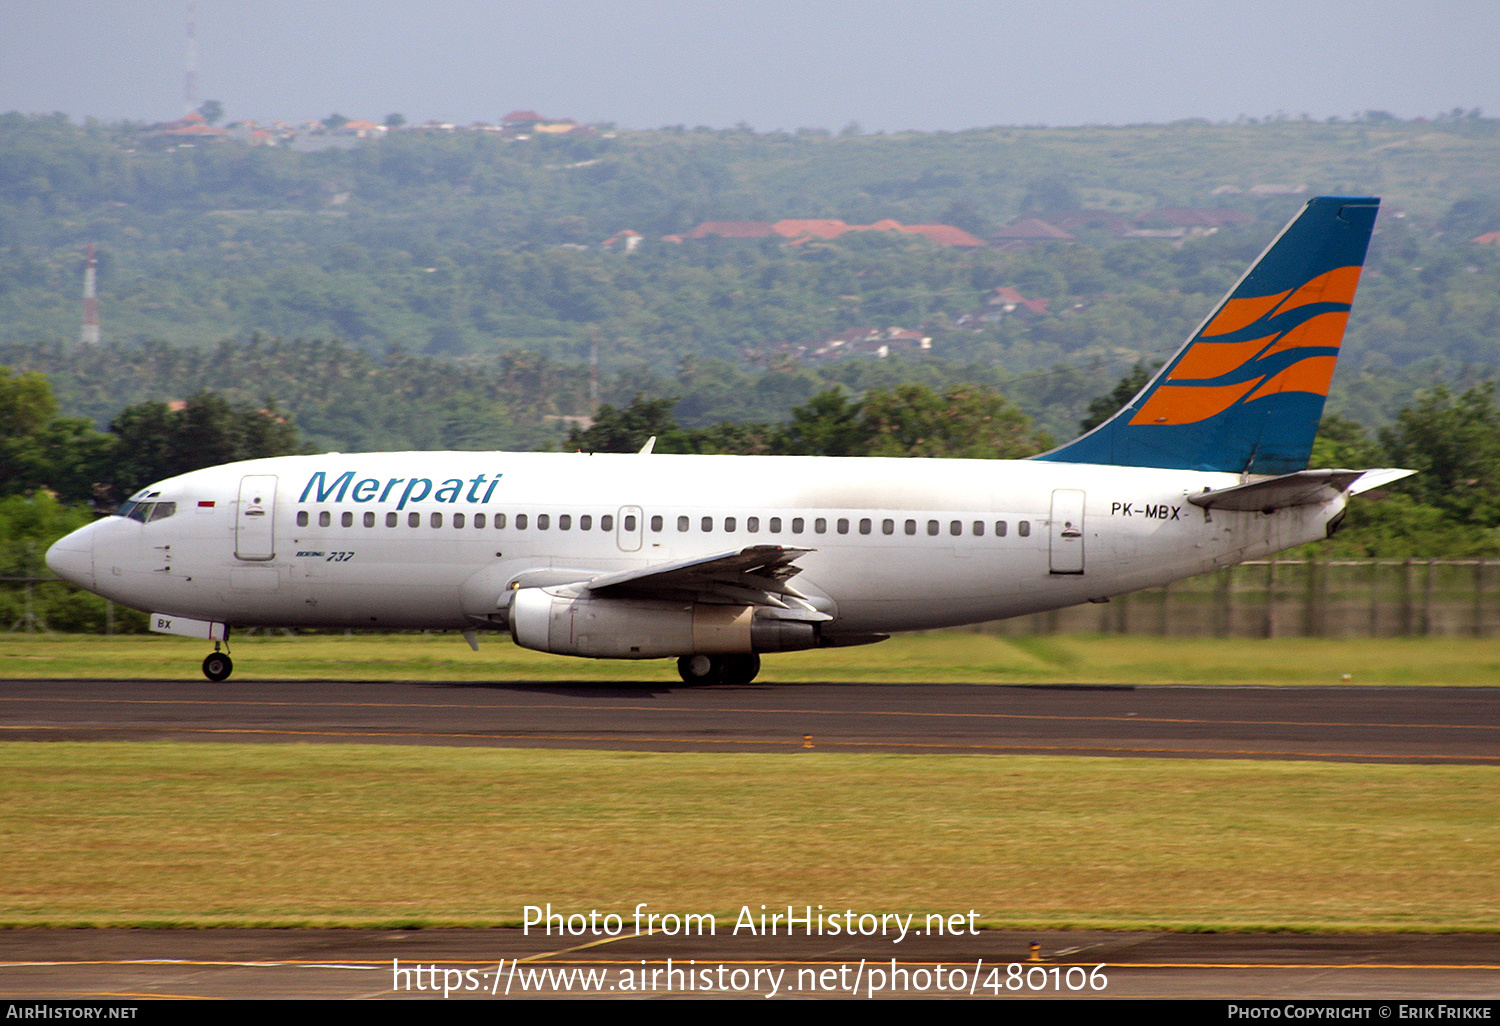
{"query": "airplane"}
[(716, 560)]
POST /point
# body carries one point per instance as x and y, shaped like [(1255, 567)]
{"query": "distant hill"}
[(466, 245)]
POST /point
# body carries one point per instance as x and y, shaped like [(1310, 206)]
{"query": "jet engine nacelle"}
[(550, 620)]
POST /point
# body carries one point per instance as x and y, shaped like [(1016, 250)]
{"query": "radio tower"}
[(89, 336), (190, 84)]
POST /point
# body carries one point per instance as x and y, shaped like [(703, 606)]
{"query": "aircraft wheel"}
[(701, 669), (217, 666), (740, 669)]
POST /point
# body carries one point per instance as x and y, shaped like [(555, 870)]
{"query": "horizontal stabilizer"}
[(1304, 488)]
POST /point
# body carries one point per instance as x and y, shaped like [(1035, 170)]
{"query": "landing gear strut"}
[(217, 665), (718, 669)]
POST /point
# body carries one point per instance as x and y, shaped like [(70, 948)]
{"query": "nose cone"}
[(72, 558)]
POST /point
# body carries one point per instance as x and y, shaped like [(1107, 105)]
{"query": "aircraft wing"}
[(1304, 488), (758, 575)]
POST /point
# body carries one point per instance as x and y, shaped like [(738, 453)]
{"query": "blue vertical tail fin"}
[(1246, 391)]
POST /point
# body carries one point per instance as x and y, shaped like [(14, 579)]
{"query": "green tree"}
[(1344, 444), (157, 441), (41, 450), (626, 430), (968, 421), (1106, 406), (1453, 443), (828, 424)]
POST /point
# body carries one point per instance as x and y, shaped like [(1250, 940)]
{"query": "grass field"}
[(220, 834), (224, 834), (934, 657)]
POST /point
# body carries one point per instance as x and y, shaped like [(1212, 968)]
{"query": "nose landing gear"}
[(217, 665), (718, 669)]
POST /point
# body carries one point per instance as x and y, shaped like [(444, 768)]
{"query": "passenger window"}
[(369, 519), (979, 528), (630, 522), (708, 524), (478, 519), (324, 519), (843, 525), (682, 523), (520, 521), (607, 523), (565, 522), (797, 525), (752, 524), (956, 528), (499, 521), (1023, 528), (413, 520), (347, 520), (655, 524), (775, 525), (585, 523), (437, 520), (932, 527), (864, 526), (543, 521), (820, 525), (887, 527), (911, 527), (458, 520), (729, 523), (390, 519), (301, 514), (999, 528)]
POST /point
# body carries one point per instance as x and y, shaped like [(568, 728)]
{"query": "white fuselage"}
[(436, 540)]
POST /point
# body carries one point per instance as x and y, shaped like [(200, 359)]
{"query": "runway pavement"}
[(487, 965), (1381, 724), (1439, 726)]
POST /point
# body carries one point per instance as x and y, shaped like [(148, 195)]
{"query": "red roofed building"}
[(944, 234), (192, 126), (822, 228), (1096, 220), (1009, 301), (732, 230), (1032, 228), (802, 230)]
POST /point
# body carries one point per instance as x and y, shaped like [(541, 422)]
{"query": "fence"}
[(1300, 598), (1261, 599)]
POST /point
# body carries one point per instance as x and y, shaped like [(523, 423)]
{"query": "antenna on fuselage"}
[(646, 449)]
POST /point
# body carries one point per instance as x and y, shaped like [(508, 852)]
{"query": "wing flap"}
[(758, 575)]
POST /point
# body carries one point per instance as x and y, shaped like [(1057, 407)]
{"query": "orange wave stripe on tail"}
[(1320, 331), (1215, 359), (1237, 313), (1335, 286), (1310, 375), (1188, 404)]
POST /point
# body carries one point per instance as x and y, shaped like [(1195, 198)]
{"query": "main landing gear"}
[(718, 669), (217, 665)]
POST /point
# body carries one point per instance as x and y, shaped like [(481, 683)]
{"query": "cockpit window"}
[(146, 512)]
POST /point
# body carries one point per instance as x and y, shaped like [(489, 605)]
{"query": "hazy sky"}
[(888, 64)]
